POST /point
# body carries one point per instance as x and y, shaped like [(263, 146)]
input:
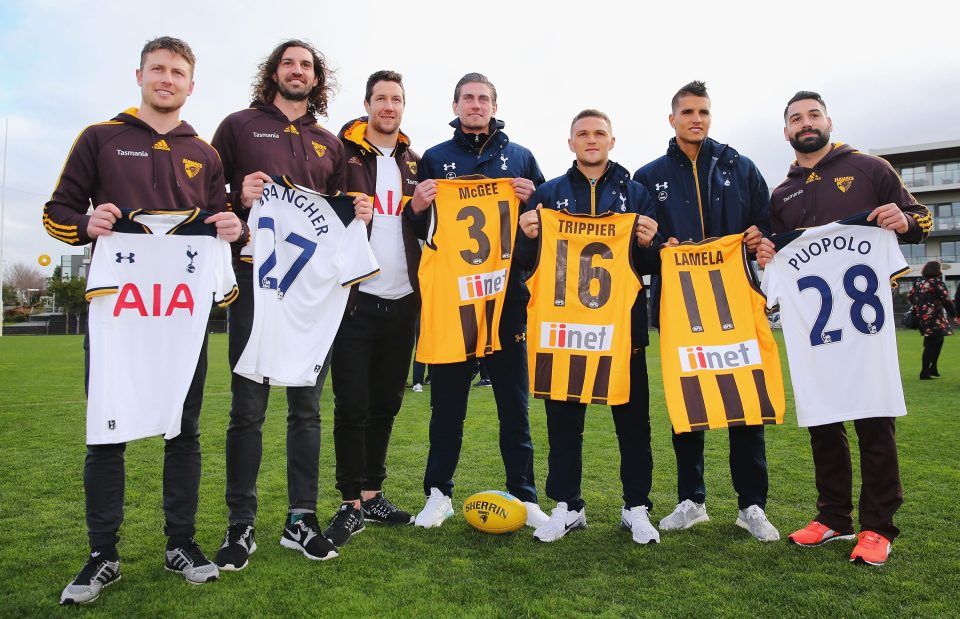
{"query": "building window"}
[(950, 251), (914, 176), (947, 173), (946, 216), (914, 254)]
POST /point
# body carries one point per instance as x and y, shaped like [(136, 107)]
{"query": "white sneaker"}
[(637, 520), (753, 519), (438, 508), (535, 516), (417, 388), (561, 521), (685, 516)]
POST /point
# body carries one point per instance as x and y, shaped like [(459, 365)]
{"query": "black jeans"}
[(565, 422), (450, 389), (104, 475), (248, 410), (748, 466), (932, 345), (370, 359)]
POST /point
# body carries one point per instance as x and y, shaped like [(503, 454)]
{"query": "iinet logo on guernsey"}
[(473, 287), (571, 336), (697, 358)]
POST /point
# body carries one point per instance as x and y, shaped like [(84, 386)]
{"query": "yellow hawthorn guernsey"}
[(464, 269), (720, 363), (581, 293)]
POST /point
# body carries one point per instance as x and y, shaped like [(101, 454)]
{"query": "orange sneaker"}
[(815, 534), (872, 549)]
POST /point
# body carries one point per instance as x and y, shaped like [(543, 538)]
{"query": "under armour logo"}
[(121, 257), (623, 203), (563, 204), (660, 186), (520, 337), (191, 254), (449, 166), (503, 166)]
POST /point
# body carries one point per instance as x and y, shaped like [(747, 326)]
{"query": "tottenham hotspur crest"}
[(623, 203), (503, 164), (191, 254)]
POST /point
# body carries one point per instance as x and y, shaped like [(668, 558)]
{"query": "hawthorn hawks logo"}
[(413, 167), (192, 168), (320, 149), (843, 183)]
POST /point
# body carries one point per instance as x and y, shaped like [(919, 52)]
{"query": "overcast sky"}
[(887, 70)]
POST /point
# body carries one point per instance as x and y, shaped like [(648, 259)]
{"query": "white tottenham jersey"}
[(832, 283), (150, 287), (386, 236), (308, 250)]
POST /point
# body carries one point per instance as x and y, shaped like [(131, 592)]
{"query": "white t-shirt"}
[(150, 288), (386, 236), (308, 250), (832, 283)]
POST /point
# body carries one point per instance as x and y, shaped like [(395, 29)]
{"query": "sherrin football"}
[(492, 511)]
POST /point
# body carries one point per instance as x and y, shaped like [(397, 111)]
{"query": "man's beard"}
[(291, 95), (806, 145)]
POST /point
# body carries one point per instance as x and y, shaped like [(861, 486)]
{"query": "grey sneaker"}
[(97, 573), (561, 522), (184, 556), (637, 521), (685, 516), (754, 519)]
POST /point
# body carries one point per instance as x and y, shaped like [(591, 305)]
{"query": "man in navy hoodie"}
[(705, 189)]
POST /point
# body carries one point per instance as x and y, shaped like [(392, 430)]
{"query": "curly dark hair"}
[(930, 269), (265, 87)]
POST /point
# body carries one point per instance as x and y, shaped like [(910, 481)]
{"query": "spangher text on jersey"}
[(150, 288), (832, 283), (308, 249)]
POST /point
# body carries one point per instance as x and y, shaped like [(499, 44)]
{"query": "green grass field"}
[(714, 570)]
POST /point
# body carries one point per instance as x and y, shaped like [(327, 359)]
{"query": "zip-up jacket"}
[(493, 156), (125, 162), (612, 192), (722, 193), (845, 182), (262, 138), (361, 178)]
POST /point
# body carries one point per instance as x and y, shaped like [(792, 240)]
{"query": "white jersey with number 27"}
[(832, 283), (308, 250)]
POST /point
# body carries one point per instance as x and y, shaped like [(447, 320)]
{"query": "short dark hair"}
[(930, 269), (384, 76), (172, 45), (265, 87), (591, 113), (695, 88), (800, 96), (474, 78)]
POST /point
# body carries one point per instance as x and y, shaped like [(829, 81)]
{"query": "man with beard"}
[(706, 189), (371, 355), (277, 135), (828, 182)]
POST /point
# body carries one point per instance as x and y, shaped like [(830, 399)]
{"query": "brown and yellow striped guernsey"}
[(464, 269), (720, 363), (578, 318)]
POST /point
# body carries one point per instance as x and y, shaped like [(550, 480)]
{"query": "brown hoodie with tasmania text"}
[(125, 162)]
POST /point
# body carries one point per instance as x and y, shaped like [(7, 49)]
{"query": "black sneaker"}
[(184, 556), (102, 569), (347, 522), (238, 544), (483, 382), (303, 533), (380, 509)]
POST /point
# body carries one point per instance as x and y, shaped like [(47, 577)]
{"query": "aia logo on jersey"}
[(570, 336), (482, 285), (716, 358), (130, 298), (192, 168), (391, 207)]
